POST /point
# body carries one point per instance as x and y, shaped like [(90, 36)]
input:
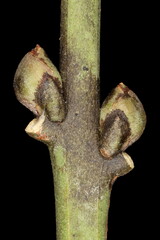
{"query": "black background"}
[(129, 54)]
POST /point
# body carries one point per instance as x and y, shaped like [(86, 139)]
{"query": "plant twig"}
[(86, 143)]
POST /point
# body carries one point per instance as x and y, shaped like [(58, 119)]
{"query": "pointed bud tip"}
[(35, 51), (123, 87)]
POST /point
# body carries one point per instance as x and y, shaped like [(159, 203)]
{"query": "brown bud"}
[(34, 73), (122, 121)]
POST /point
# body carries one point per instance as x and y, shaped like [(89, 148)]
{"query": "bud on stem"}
[(38, 85), (122, 121)]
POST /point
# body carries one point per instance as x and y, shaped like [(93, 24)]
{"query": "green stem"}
[(77, 219), (80, 51), (80, 41)]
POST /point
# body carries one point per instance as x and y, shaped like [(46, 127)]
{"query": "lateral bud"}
[(122, 121), (38, 85)]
